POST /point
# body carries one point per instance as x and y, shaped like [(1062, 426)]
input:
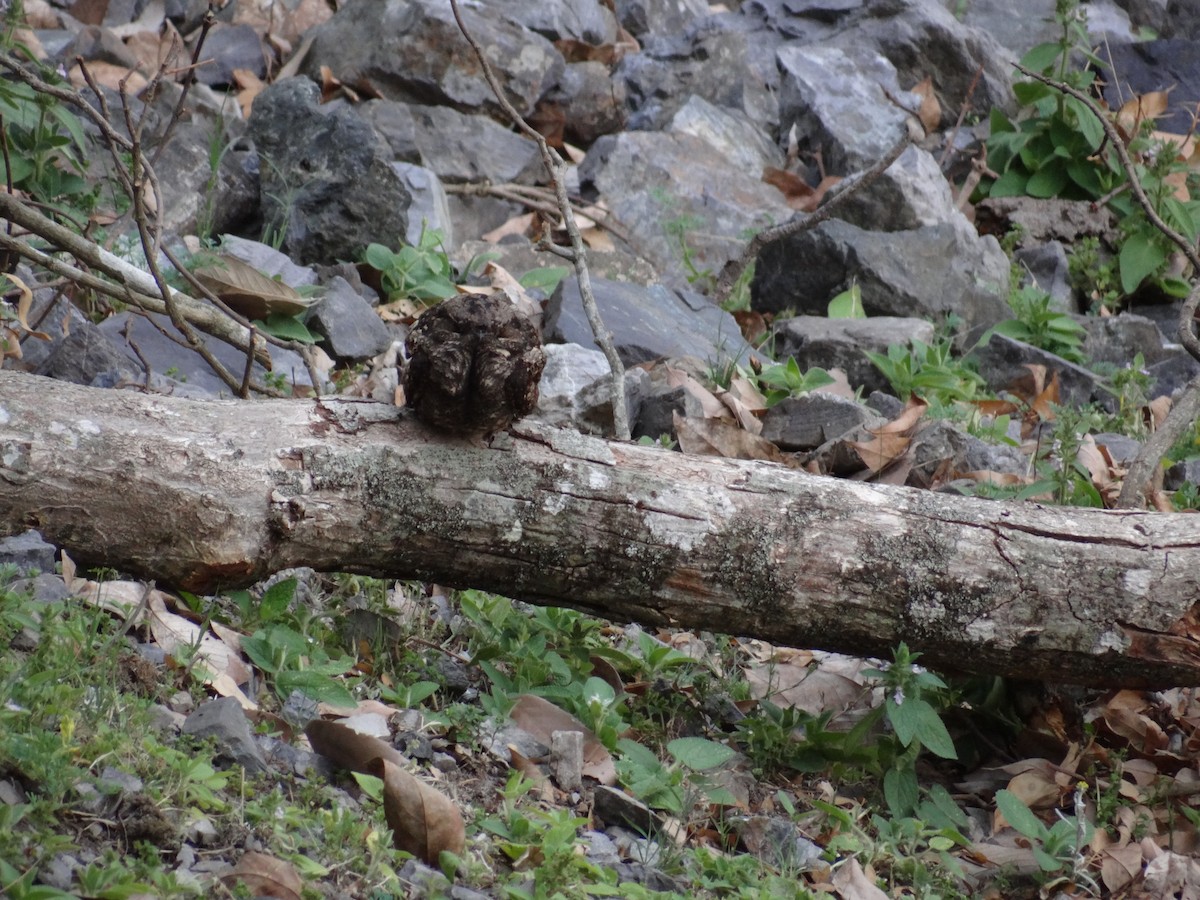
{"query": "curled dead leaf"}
[(265, 876), (424, 821), (249, 291)]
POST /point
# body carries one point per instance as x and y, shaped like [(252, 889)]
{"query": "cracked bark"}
[(203, 495)]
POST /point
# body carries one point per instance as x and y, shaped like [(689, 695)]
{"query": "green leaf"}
[(900, 791), (1048, 181), (699, 753), (319, 687), (1030, 92), (1141, 256), (1019, 816), (545, 278), (847, 304), (1010, 184), (378, 257), (288, 328), (275, 599), (1088, 125), (916, 719), (1041, 57)]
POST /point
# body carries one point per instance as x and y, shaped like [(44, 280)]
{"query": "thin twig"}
[(1186, 408), (210, 18), (735, 267), (557, 169)]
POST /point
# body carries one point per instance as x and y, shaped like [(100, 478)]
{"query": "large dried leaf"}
[(175, 633), (711, 437), (249, 291), (930, 110), (347, 749), (265, 876), (424, 821), (541, 718)]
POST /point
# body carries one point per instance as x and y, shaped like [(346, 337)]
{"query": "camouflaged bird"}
[(474, 365)]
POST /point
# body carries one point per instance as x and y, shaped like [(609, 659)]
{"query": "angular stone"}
[(353, 330), (647, 322), (327, 182), (805, 423), (928, 272), (223, 720), (667, 189), (455, 146), (413, 50)]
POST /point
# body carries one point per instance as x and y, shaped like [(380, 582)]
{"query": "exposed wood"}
[(207, 494)]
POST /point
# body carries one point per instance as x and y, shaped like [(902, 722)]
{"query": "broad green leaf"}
[(288, 328), (1140, 256), (1048, 181), (1010, 184), (378, 257), (900, 791), (847, 304), (275, 599), (699, 753), (1019, 816), (545, 278), (315, 685), (1041, 57)]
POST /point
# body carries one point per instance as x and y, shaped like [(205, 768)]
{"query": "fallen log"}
[(210, 494)]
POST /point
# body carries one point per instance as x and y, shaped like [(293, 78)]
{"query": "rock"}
[(87, 355), (1118, 339), (808, 422), (923, 39), (429, 208), (942, 448), (353, 330), (1162, 65), (836, 100), (829, 343), (1170, 375), (714, 60), (657, 17), (269, 261), (912, 192), (228, 48), (198, 198), (455, 146), (413, 50), (327, 182), (1121, 447), (666, 189), (588, 21), (804, 21), (738, 141), (223, 720), (928, 272), (96, 44), (1046, 265), (575, 390), (1003, 362), (1018, 33), (1186, 472), (647, 322), (587, 102), (28, 552)]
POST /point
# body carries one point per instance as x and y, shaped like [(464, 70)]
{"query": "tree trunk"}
[(204, 495)]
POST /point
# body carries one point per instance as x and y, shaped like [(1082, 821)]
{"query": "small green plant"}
[(930, 371), (1186, 496), (1094, 274), (847, 304), (780, 381), (1036, 323), (1130, 385), (1053, 149), (46, 152), (1058, 848), (421, 272), (1061, 475), (681, 785)]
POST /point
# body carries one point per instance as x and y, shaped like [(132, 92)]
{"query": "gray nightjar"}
[(474, 365)]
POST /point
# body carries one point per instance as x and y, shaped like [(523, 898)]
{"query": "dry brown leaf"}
[(520, 225), (24, 304), (265, 876), (173, 633), (110, 76), (709, 404), (753, 325), (881, 451), (424, 821), (852, 883), (501, 279), (712, 437), (1138, 109), (1119, 866), (797, 193), (1035, 789), (541, 718), (1043, 404), (249, 86), (347, 749), (1001, 479), (247, 290), (930, 110), (597, 239)]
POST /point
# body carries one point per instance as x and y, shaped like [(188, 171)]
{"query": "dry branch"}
[(207, 494)]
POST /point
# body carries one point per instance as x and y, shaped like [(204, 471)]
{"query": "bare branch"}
[(557, 169)]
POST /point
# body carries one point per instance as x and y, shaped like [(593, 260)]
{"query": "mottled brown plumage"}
[(474, 365)]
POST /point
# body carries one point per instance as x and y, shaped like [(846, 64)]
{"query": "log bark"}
[(205, 495)]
